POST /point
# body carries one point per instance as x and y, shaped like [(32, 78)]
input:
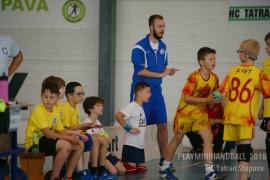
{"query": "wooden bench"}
[(32, 164)]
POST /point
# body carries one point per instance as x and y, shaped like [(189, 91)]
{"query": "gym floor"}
[(194, 169), (188, 169)]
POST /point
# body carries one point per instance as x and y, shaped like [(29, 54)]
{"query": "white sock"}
[(165, 165), (208, 168)]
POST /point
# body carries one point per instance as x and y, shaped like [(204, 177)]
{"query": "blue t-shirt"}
[(8, 50), (144, 57)]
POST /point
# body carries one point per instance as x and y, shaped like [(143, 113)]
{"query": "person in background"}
[(11, 58), (150, 59)]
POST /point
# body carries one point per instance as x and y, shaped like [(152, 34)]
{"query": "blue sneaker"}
[(84, 175), (95, 176), (172, 168), (161, 161), (214, 175), (107, 176), (167, 174)]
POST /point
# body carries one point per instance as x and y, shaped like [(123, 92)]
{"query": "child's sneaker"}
[(140, 168), (95, 176), (172, 168), (161, 161), (167, 174), (107, 176), (84, 175), (213, 175), (129, 168)]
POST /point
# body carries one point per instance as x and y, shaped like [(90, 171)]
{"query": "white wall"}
[(189, 26), (70, 54)]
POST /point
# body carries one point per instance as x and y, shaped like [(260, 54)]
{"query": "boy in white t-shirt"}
[(132, 119)]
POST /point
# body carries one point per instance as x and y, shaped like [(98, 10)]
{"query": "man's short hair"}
[(153, 17)]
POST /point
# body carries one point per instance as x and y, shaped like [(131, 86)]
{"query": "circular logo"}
[(4, 51), (73, 11)]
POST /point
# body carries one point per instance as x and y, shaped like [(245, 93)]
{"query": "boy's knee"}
[(177, 137), (103, 140), (94, 139), (64, 145), (208, 140)]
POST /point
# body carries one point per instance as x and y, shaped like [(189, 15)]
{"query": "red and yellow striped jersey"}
[(196, 86), (266, 70), (242, 87)]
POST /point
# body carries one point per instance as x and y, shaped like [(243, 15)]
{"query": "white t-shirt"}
[(94, 130), (154, 46), (135, 116), (8, 50)]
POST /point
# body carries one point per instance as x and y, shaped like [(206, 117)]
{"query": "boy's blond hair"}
[(251, 47)]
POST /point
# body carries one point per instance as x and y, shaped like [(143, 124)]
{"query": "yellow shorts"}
[(237, 132), (185, 124)]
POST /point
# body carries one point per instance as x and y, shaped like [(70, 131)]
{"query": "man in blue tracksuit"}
[(150, 60)]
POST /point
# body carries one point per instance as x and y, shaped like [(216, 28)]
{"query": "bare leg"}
[(63, 149), (243, 165), (207, 137), (103, 150), (120, 168), (110, 167), (162, 138), (94, 151), (174, 143), (79, 166), (86, 159), (74, 158)]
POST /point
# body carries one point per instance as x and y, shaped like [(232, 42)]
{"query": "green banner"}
[(249, 13)]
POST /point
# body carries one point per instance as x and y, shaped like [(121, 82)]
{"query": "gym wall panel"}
[(70, 54), (189, 26)]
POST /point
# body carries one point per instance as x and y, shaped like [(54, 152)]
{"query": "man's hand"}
[(135, 131), (165, 72), (172, 71), (169, 71)]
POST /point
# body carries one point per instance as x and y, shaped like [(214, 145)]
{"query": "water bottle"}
[(4, 87), (35, 146)]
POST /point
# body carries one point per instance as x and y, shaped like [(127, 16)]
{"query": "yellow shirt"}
[(71, 116), (196, 86), (266, 69), (59, 105), (242, 87), (39, 119)]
